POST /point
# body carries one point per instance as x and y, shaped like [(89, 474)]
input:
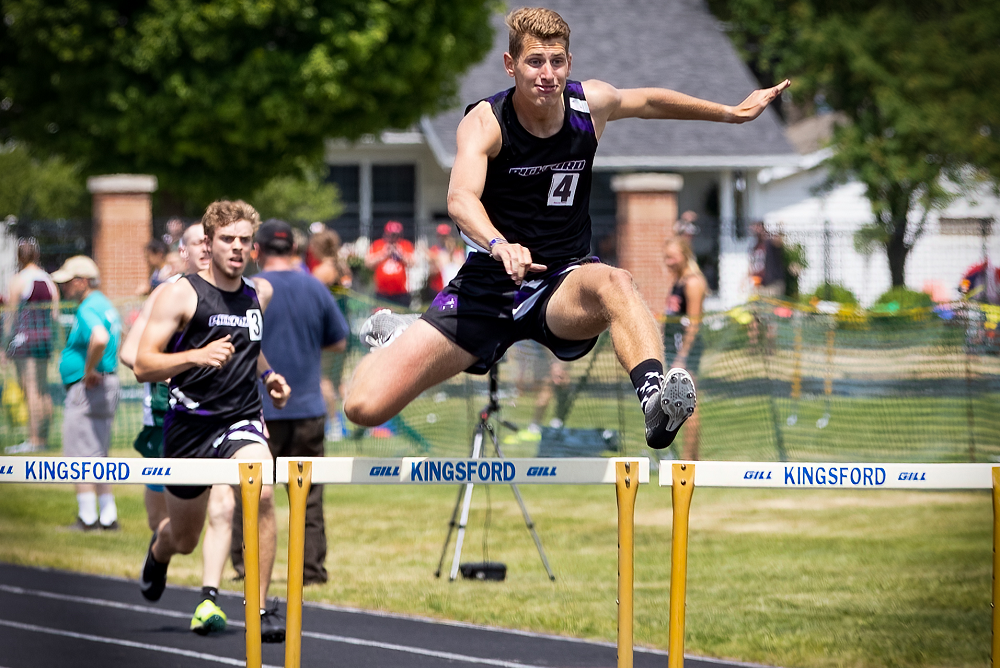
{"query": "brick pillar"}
[(647, 210), (123, 225)]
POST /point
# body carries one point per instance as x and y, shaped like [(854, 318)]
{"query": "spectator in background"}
[(31, 341), (389, 257), (301, 240), (175, 230), (682, 339), (159, 270), (685, 227), (301, 321), (88, 368), (330, 269), (767, 269), (444, 258)]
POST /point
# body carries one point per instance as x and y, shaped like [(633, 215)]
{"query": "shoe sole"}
[(678, 398)]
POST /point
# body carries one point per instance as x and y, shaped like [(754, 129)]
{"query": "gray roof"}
[(673, 44)]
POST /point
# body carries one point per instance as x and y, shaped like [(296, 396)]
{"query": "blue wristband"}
[(263, 376), (495, 241)]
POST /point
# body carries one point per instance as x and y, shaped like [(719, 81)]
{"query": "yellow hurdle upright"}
[(299, 482), (626, 488), (681, 492), (250, 486)]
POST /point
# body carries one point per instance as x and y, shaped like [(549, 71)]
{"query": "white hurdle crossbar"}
[(685, 475), (249, 474), (626, 473)]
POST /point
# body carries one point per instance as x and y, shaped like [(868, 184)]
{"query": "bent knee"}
[(221, 507), (186, 544), (621, 279)]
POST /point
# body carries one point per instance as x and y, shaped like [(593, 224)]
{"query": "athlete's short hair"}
[(537, 22), (224, 212), (184, 241)]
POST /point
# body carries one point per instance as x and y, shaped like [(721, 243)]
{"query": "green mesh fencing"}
[(775, 383), (786, 382)]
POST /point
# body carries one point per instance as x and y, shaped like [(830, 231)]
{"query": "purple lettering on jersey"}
[(444, 302)]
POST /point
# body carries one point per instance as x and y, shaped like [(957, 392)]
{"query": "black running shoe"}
[(667, 409), (272, 624), (154, 575)]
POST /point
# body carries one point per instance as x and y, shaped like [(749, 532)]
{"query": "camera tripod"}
[(465, 495)]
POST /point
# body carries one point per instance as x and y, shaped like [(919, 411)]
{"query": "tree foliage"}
[(215, 97), (302, 198), (31, 188), (917, 81)]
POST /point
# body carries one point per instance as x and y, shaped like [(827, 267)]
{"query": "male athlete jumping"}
[(204, 335), (520, 193)]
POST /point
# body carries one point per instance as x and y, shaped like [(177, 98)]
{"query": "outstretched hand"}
[(757, 102)]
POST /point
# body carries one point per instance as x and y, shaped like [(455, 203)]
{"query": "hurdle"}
[(250, 475), (626, 474), (685, 475)]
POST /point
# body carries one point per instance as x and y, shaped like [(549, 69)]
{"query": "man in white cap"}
[(87, 368)]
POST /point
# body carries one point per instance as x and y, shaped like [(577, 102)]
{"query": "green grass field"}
[(803, 578)]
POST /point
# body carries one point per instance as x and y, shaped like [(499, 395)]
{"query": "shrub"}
[(832, 292), (902, 299)]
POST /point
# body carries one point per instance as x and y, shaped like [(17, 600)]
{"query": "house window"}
[(371, 196), (347, 178), (968, 227), (393, 189)]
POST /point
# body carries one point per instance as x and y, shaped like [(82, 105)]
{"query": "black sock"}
[(209, 593), (646, 379)]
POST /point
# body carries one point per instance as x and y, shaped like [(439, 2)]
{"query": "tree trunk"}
[(896, 248), (897, 252)]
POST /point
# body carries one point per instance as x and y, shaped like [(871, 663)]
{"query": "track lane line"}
[(450, 656), (126, 643)]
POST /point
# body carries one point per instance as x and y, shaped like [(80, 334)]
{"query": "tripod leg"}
[(534, 534), (527, 518), (451, 528), (477, 446)]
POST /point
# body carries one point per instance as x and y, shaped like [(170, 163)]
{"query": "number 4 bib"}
[(563, 188)]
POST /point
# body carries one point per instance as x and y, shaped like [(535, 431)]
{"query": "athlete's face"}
[(541, 71), (231, 248), (196, 252)]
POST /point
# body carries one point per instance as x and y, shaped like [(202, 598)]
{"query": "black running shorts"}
[(196, 437), (485, 313)]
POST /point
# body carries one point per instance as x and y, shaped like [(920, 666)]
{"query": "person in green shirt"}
[(87, 368)]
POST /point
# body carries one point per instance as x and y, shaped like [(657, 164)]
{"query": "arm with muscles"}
[(130, 346), (274, 383), (608, 103), (479, 139), (694, 293), (168, 316)]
